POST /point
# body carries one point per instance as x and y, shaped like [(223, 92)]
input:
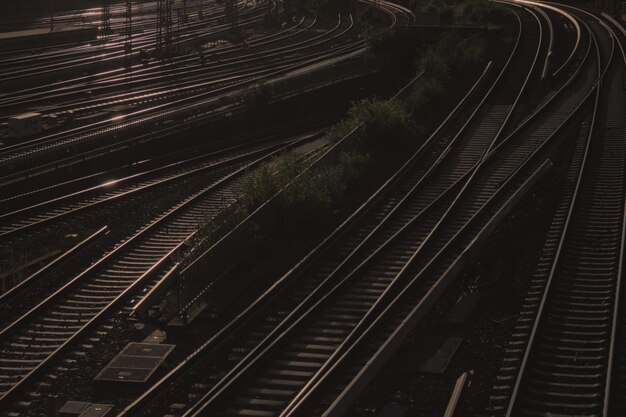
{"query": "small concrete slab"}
[(438, 352), (156, 337), (97, 410), (462, 309), (73, 408), (135, 363), (177, 407)]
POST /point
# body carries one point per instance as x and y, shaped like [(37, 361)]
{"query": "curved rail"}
[(581, 211), (99, 290)]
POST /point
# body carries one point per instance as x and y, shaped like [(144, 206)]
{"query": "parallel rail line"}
[(564, 353), (274, 383), (42, 334)]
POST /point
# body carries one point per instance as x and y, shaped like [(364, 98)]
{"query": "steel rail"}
[(313, 296), (166, 70), (278, 287), (117, 56), (118, 174), (569, 17), (576, 196), (165, 113), (378, 317), (224, 145), (617, 308), (121, 296), (160, 71), (13, 228), (202, 82), (200, 410), (355, 331), (340, 404), (153, 113), (546, 65), (120, 74)]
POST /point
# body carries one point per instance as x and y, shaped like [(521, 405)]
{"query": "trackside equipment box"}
[(23, 125)]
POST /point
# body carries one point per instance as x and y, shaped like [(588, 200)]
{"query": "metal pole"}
[(51, 15), (159, 36), (128, 46), (164, 26), (168, 28), (106, 18)]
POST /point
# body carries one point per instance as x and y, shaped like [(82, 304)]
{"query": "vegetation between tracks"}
[(380, 134), (311, 203), (457, 11)]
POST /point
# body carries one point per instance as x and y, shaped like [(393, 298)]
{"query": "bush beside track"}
[(381, 134)]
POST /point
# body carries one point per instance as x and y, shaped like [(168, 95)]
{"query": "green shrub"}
[(478, 10), (427, 92), (452, 56), (307, 203), (354, 164), (457, 11), (434, 64), (383, 124), (473, 54), (265, 181)]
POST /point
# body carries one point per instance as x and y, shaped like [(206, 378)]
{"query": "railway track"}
[(278, 312), (159, 95), (14, 198), (333, 337), (98, 206), (42, 334), (190, 172), (77, 87), (90, 55), (185, 70), (562, 357), (282, 366), (186, 107), (354, 298), (350, 288)]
